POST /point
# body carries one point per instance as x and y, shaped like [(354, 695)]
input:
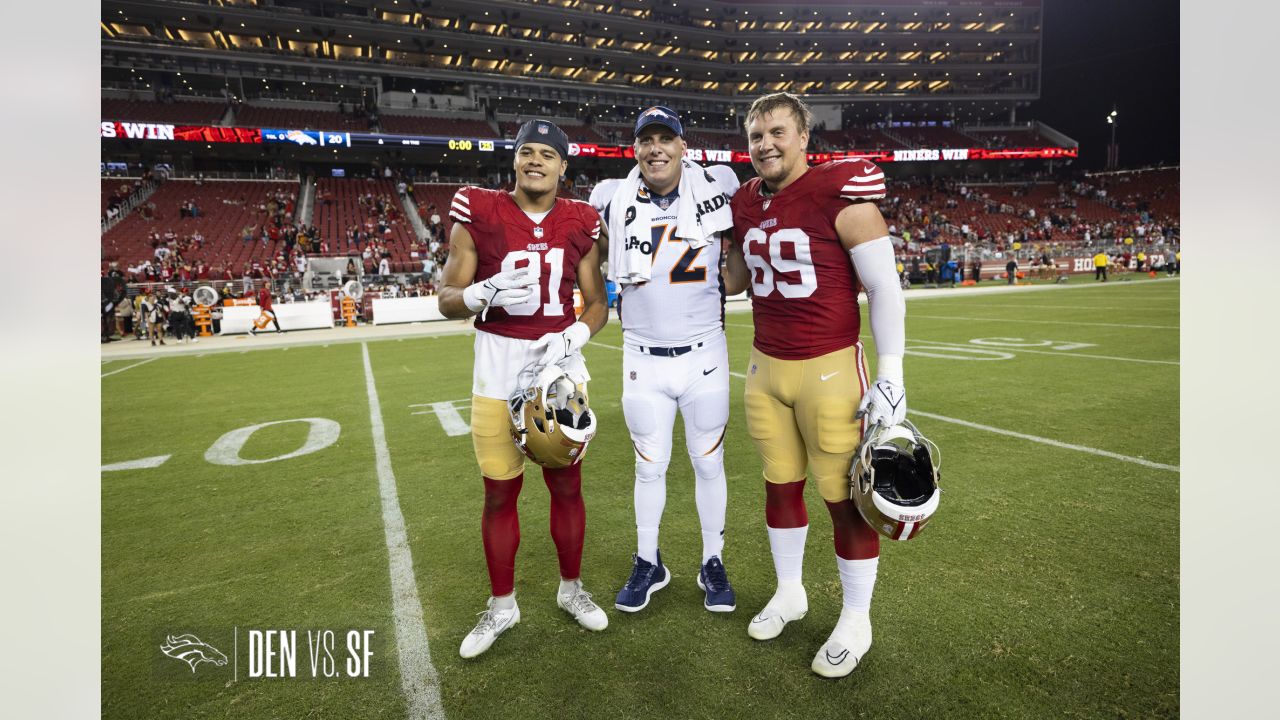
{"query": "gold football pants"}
[(496, 452), (800, 413)]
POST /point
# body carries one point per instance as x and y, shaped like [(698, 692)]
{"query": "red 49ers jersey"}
[(507, 239), (804, 291)]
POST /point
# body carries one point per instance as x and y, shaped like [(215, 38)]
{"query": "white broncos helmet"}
[(894, 480)]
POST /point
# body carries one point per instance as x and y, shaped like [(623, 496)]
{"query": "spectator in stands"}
[(384, 266)]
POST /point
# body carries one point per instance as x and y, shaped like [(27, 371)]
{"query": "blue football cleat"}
[(646, 579), (714, 581)]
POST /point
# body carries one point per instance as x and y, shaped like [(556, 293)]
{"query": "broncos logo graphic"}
[(192, 650)]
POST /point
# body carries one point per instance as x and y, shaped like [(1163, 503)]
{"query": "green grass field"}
[(1047, 586)]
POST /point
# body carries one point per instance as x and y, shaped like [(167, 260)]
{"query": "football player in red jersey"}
[(268, 313), (806, 239), (513, 260)]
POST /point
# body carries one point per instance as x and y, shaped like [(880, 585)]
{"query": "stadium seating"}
[(332, 220), (427, 125), (934, 137), (715, 140), (186, 112), (1009, 138), (576, 133), (226, 207), (299, 119), (859, 139)]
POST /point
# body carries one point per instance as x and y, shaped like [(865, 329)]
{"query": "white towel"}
[(704, 211)]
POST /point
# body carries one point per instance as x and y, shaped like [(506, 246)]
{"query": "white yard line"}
[(1016, 350), (1041, 322), (141, 464), (1011, 433), (1126, 308), (1048, 441), (127, 367), (450, 419), (418, 678)]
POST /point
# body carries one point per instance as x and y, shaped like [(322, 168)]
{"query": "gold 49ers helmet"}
[(550, 420), (894, 480)]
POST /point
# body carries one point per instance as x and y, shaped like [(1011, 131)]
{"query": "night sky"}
[(1100, 54)]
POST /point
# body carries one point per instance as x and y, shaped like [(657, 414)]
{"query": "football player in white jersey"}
[(666, 261)]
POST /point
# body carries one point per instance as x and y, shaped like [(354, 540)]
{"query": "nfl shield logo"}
[(542, 129), (766, 204), (753, 369), (537, 232), (633, 374)]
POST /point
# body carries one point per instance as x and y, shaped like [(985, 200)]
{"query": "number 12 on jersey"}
[(555, 272), (763, 254)]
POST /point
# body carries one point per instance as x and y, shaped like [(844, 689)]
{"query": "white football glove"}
[(884, 403), (505, 288), (556, 347)]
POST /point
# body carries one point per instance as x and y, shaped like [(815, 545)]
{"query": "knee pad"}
[(647, 472), (706, 467)]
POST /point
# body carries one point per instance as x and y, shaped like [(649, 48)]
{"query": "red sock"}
[(854, 538), (784, 504), (500, 528), (568, 517)]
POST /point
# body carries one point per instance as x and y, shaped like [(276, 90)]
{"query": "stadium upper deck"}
[(986, 54)]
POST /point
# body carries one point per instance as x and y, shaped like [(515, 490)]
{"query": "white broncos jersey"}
[(683, 302)]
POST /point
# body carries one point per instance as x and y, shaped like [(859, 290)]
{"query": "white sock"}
[(569, 587), (650, 499), (506, 602), (711, 495), (858, 579), (787, 545)]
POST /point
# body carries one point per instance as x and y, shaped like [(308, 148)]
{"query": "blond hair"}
[(769, 103)]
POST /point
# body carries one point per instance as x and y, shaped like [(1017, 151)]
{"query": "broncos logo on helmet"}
[(192, 650)]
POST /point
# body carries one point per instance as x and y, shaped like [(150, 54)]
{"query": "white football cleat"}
[(583, 609), (849, 641), (784, 607), (493, 622)]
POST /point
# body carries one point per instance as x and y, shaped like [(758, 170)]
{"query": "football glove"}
[(505, 288), (556, 347), (884, 403)]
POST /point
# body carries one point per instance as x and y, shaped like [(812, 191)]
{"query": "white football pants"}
[(653, 389)]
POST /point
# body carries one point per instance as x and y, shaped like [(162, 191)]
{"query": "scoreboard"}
[(342, 139)]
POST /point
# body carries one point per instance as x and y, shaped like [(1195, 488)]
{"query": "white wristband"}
[(578, 334), (889, 367)]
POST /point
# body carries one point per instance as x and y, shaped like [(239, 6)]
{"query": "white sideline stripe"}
[(141, 464), (431, 404), (1044, 322), (127, 367), (450, 420), (1125, 308), (1047, 441), (1011, 433), (1016, 350), (418, 678)]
